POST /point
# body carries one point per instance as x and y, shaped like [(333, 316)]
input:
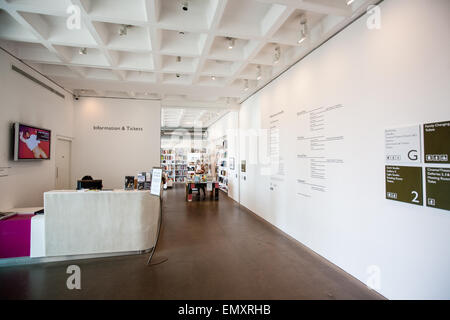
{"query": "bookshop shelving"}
[(179, 163)]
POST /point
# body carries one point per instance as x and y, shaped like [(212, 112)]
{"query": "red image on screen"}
[(34, 143)]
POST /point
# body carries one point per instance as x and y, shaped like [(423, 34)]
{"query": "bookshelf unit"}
[(179, 163), (221, 165)]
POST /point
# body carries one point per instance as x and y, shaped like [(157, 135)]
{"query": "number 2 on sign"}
[(416, 196)]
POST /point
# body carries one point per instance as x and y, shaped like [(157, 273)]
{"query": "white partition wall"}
[(351, 89), (115, 138)]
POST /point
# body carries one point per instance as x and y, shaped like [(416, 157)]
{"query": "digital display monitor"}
[(31, 143)]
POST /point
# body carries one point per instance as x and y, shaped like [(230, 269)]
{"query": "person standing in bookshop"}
[(200, 169)]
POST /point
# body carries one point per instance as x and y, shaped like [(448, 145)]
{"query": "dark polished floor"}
[(216, 250)]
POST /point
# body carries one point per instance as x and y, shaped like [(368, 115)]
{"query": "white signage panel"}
[(403, 144), (156, 181)]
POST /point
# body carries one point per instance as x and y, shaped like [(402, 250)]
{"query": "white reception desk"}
[(101, 222)]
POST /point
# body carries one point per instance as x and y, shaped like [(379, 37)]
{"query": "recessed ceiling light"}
[(82, 51), (258, 74), (231, 43), (349, 2), (213, 78), (177, 75), (181, 32)]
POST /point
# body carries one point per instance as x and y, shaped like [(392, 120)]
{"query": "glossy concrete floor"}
[(216, 250)]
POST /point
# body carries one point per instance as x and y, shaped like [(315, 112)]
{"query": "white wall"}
[(395, 76), (24, 101), (112, 155), (228, 126)]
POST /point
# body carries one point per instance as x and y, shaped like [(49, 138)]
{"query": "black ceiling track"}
[(29, 76)]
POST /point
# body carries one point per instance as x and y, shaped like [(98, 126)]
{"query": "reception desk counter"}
[(99, 222)]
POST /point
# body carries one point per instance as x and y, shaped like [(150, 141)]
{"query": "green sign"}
[(438, 187), (404, 184), (436, 140)]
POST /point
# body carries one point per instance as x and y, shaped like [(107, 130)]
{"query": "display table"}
[(190, 186), (94, 222)]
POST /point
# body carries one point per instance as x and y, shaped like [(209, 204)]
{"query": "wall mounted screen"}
[(31, 143)]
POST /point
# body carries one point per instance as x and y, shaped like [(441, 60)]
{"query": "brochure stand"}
[(156, 190)]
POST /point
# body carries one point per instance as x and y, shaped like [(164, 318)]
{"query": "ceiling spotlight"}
[(246, 85), (303, 32), (213, 78), (185, 6), (349, 2), (231, 42), (82, 51), (178, 59), (276, 55), (258, 74), (123, 30), (177, 75), (181, 32)]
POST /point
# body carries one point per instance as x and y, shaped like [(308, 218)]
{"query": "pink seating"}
[(15, 233)]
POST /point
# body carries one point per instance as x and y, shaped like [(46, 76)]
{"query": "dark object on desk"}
[(90, 184), (129, 183), (141, 181), (40, 211)]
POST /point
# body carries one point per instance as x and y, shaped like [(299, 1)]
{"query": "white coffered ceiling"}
[(182, 57)]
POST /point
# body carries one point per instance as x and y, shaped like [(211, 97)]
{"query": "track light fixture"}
[(231, 43), (277, 55), (123, 30), (82, 51), (246, 85), (303, 31), (258, 74)]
